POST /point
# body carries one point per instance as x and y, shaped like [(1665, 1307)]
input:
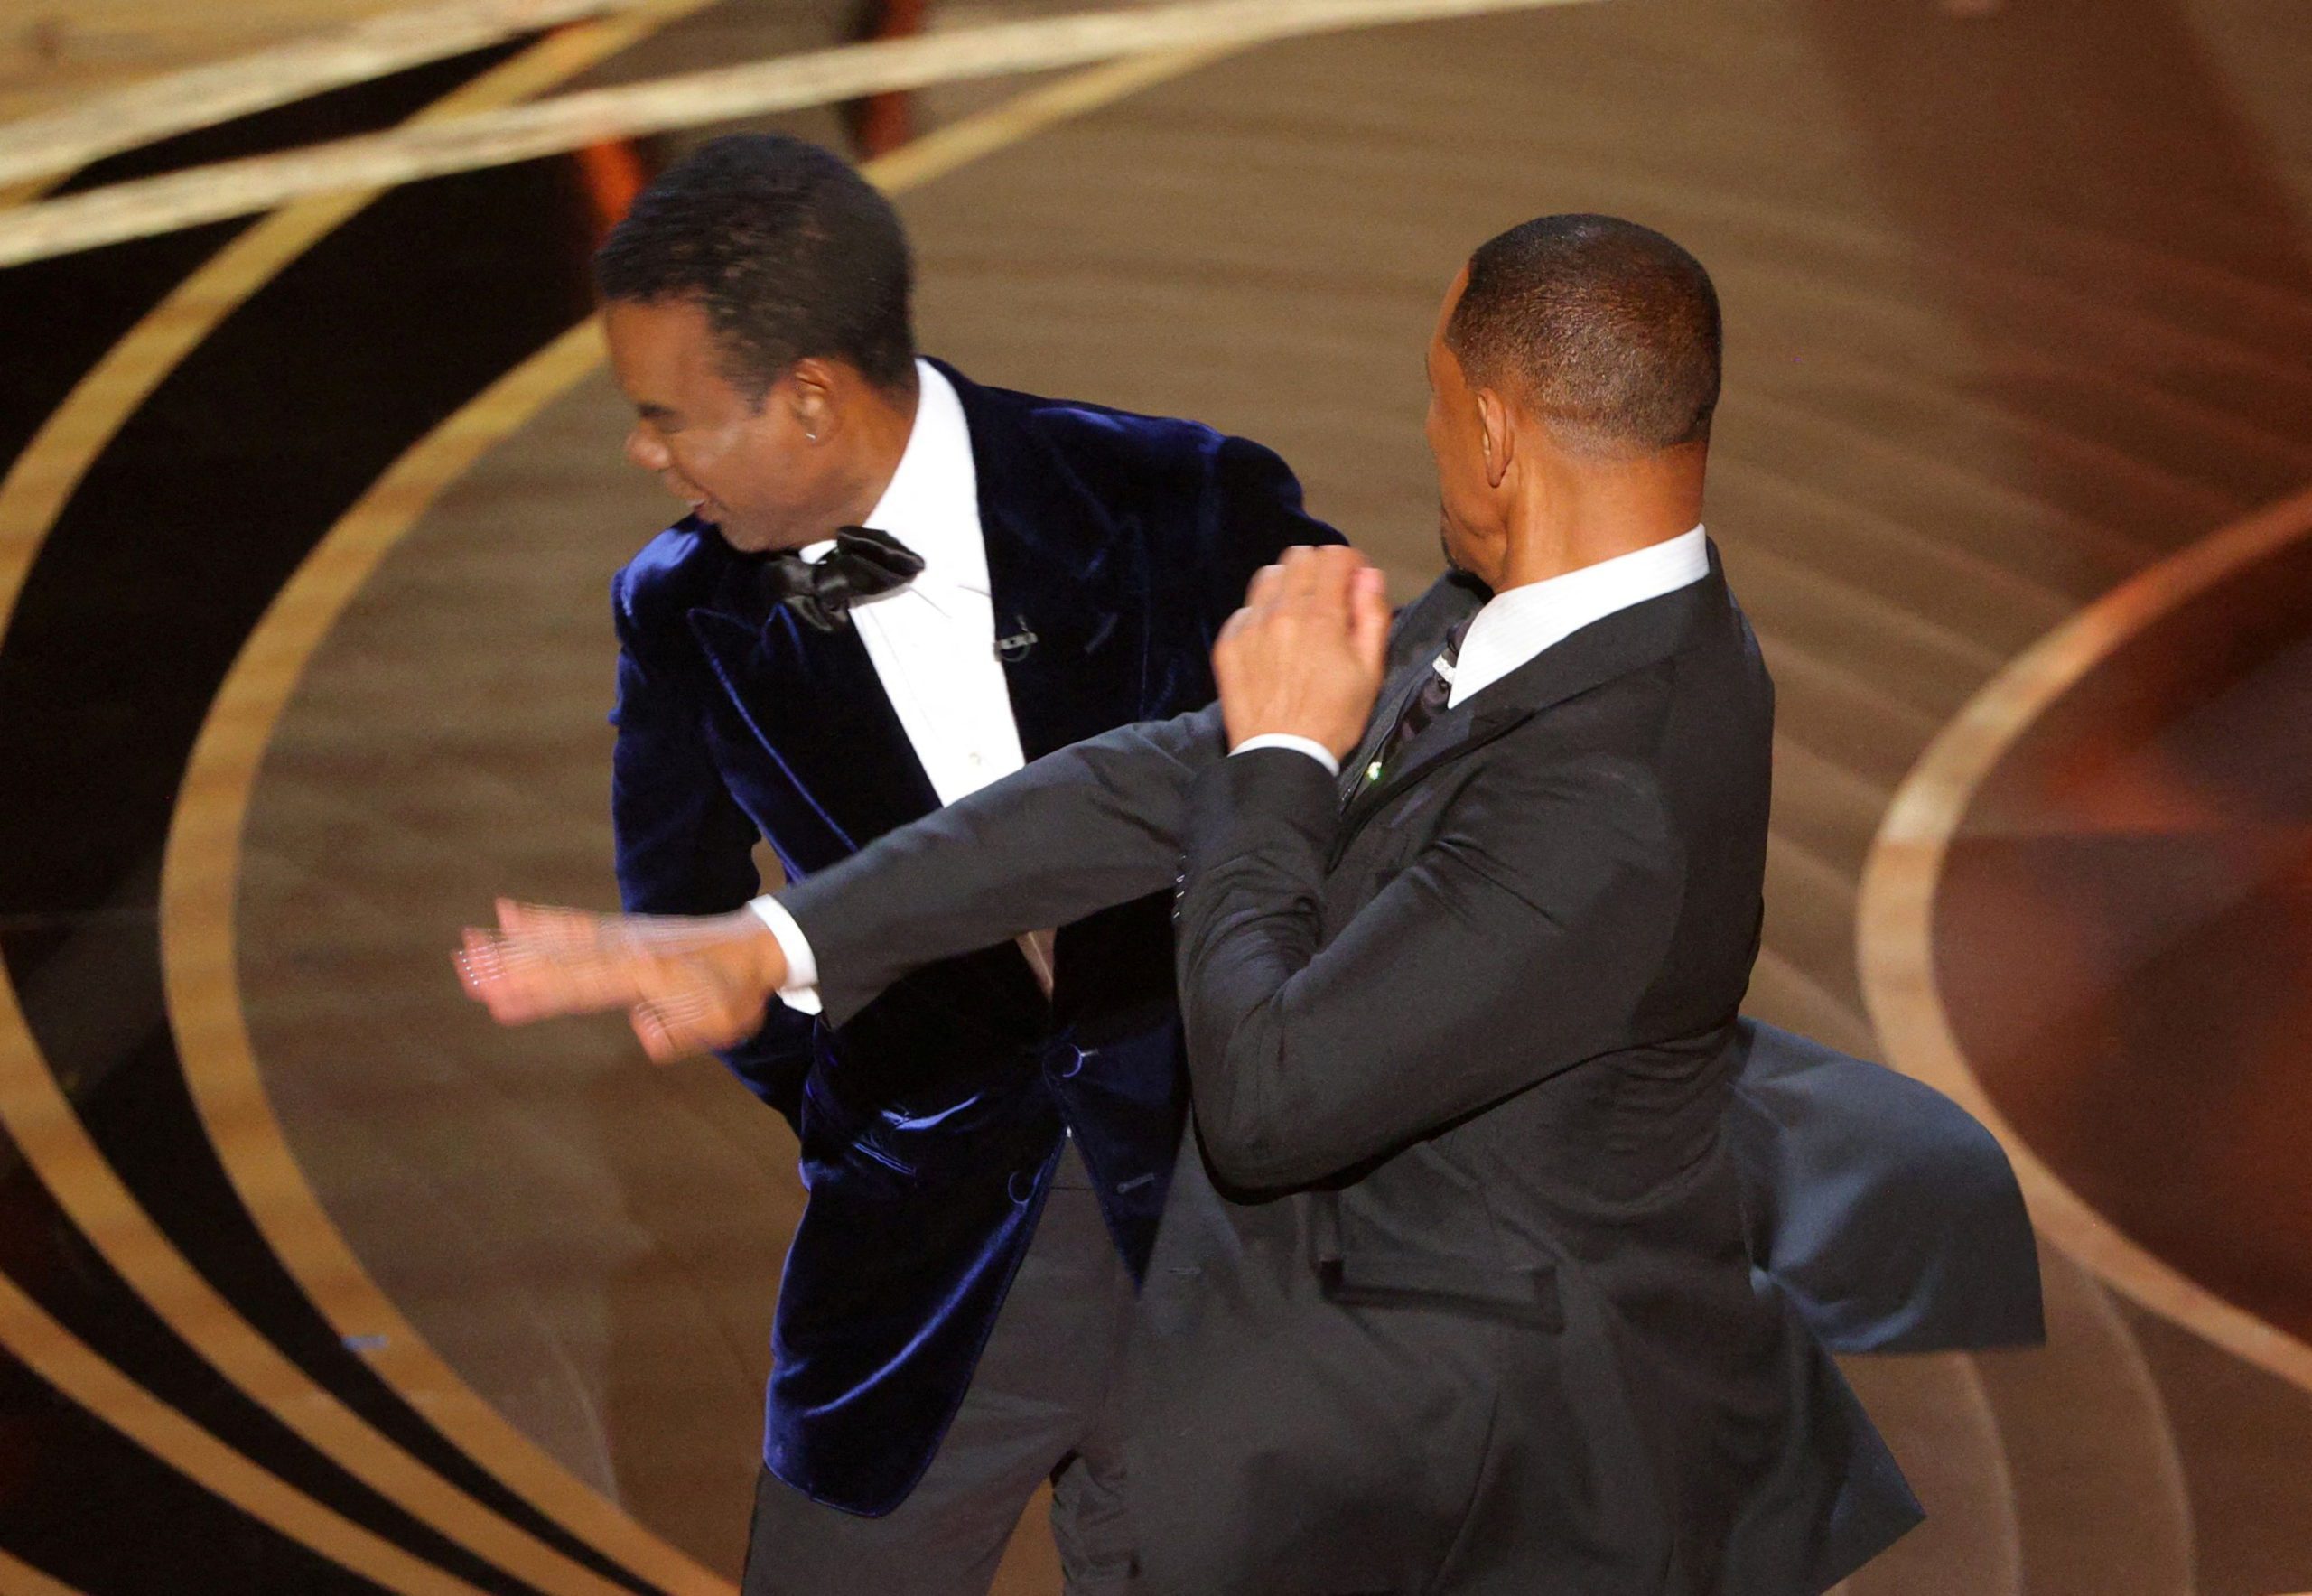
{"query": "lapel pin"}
[(1014, 648)]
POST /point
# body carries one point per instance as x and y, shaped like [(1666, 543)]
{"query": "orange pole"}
[(882, 123)]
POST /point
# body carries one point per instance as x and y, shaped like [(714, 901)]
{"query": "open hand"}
[(690, 984), (1305, 655)]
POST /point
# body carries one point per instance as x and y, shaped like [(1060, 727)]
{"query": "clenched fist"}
[(1304, 656)]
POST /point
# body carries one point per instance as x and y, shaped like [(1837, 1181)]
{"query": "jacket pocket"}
[(838, 1144), (1371, 1278)]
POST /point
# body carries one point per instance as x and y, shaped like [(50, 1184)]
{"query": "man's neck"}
[(1595, 515), (885, 423), (1541, 557)]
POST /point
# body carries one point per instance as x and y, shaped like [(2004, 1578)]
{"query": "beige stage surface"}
[(2002, 331)]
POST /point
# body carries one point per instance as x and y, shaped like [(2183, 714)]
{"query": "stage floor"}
[(320, 1283)]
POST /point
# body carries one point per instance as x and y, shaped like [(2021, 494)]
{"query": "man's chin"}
[(736, 533), (746, 537)]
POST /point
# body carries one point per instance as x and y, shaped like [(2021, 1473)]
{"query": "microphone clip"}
[(1017, 646)]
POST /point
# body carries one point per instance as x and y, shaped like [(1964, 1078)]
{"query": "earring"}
[(811, 437)]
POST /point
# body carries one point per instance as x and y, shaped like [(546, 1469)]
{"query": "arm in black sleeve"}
[(1518, 943), (1080, 830), (684, 846)]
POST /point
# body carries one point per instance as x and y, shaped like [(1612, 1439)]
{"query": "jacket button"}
[(1022, 1186), (1075, 1066)]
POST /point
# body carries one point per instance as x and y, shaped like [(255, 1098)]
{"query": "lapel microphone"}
[(1017, 646)]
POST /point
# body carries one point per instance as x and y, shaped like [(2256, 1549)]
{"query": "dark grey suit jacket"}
[(1457, 1287)]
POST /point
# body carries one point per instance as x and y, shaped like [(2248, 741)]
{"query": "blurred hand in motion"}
[(1305, 655), (691, 983)]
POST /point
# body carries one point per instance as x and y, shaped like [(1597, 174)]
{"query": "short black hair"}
[(787, 249), (1606, 330)]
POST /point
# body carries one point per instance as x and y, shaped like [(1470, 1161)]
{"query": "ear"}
[(810, 389), (1497, 437)]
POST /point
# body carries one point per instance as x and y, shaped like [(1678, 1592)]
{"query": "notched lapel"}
[(1387, 710), (1625, 641), (1452, 734), (1069, 585), (1451, 598)]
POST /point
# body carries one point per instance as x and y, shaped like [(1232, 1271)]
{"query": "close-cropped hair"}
[(1606, 330), (789, 251)]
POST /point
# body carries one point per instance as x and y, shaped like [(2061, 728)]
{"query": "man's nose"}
[(643, 449)]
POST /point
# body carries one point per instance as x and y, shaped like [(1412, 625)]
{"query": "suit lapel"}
[(1070, 592), (1427, 622), (1625, 641), (1069, 585), (1387, 710), (814, 703)]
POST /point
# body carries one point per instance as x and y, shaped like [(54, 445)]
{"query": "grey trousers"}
[(1041, 1407)]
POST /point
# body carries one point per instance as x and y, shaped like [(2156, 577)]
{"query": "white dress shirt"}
[(932, 642), (1516, 626), (1518, 623)]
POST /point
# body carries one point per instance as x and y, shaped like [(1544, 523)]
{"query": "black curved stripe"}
[(55, 1266), (83, 1504), (186, 527)]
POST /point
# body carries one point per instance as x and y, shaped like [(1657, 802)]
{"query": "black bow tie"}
[(865, 565)]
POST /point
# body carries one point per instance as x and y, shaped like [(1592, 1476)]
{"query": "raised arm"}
[(1518, 943), (1083, 829), (1079, 831)]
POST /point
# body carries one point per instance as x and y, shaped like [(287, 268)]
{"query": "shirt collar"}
[(932, 501), (1517, 624)]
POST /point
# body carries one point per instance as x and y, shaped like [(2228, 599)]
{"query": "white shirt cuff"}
[(1308, 746), (801, 991)]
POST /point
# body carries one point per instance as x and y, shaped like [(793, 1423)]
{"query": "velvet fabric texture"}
[(931, 1122)]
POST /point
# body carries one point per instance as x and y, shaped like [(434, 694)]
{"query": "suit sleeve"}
[(684, 845), (1092, 825), (1518, 943), (1078, 831)]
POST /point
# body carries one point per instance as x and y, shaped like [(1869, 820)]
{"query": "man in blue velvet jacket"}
[(988, 1147)]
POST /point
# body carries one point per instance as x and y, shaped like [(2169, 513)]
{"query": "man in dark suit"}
[(1460, 1293), (987, 1151), (1472, 1307)]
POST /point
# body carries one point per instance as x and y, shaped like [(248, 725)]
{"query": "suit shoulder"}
[(1619, 721), (669, 574), (1123, 440), (1151, 451)]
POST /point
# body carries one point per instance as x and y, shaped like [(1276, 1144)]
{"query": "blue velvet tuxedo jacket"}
[(931, 1123)]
